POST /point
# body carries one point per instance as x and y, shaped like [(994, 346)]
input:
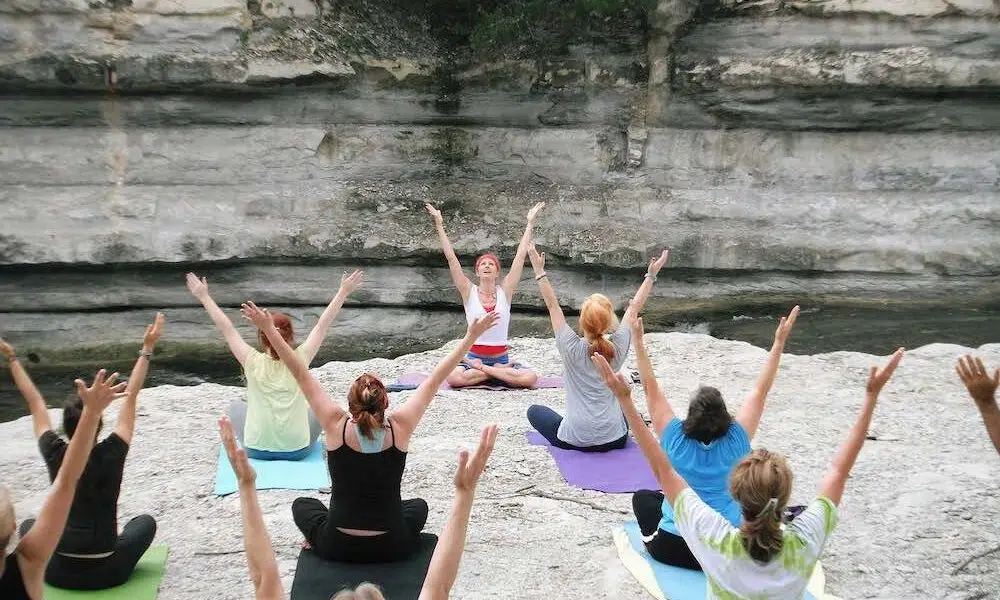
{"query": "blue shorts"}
[(274, 455), (489, 361)]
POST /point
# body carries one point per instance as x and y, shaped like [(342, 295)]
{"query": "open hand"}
[(153, 332), (534, 211), (258, 316), (877, 378), (482, 324), (785, 326), (981, 386), (245, 473), (438, 219), (349, 283), (197, 286), (655, 264), (537, 260), (615, 381), (102, 392), (6, 349), (470, 469)]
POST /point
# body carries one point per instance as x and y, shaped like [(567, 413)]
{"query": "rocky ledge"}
[(923, 492)]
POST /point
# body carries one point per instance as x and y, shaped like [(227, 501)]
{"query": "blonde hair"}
[(762, 484), (365, 591), (597, 317)]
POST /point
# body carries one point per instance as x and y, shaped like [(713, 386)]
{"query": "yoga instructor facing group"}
[(722, 507)]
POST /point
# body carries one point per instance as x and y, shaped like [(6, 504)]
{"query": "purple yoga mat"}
[(544, 382), (613, 472)]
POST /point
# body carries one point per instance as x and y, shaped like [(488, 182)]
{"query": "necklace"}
[(487, 299)]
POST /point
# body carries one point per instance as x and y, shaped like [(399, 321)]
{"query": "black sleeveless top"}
[(366, 487), (12, 582)]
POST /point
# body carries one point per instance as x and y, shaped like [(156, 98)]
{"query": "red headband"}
[(488, 256)]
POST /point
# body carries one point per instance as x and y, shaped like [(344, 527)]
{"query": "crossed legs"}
[(474, 372)]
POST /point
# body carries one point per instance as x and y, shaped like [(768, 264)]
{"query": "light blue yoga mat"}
[(309, 473), (667, 582)]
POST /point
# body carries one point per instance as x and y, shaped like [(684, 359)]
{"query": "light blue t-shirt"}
[(706, 468)]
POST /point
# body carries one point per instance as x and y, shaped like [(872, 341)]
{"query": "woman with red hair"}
[(593, 421), (275, 422), (488, 359)]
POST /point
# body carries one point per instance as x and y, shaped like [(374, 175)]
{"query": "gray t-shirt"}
[(593, 416)]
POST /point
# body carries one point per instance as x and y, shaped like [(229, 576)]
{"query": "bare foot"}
[(475, 363)]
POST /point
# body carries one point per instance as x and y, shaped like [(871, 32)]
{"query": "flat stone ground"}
[(922, 500)]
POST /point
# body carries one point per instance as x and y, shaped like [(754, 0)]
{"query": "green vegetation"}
[(518, 28)]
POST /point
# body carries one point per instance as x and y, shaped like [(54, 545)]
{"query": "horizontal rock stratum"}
[(921, 499), (811, 151)]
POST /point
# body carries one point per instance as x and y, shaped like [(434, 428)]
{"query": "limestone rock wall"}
[(819, 150)]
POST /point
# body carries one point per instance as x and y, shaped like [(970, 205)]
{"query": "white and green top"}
[(731, 573)]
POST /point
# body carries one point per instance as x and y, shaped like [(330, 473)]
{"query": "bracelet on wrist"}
[(12, 358), (539, 277), (145, 353), (650, 276)]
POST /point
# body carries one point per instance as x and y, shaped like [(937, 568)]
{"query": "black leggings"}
[(101, 573), (546, 422), (665, 547), (312, 518)]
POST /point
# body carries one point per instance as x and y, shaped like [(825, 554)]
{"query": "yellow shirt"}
[(277, 411)]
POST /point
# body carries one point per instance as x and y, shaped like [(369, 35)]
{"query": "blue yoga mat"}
[(660, 580), (309, 473)]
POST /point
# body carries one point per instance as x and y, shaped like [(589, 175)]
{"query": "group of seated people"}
[(722, 508)]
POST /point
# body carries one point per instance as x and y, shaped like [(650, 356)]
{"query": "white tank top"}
[(497, 335)]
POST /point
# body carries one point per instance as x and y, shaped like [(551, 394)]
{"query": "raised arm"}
[(448, 554), (125, 425), (545, 287), (327, 411), (41, 540), (408, 415), (454, 267), (660, 410), (671, 483), (833, 483), (261, 562), (638, 301), (36, 403), (983, 390), (753, 405), (199, 289), (517, 266), (348, 283)]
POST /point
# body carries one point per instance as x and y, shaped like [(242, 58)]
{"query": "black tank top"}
[(366, 491), (12, 582)]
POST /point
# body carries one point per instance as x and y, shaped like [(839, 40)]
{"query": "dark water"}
[(825, 329)]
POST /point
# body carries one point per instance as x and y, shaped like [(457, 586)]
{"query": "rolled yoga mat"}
[(319, 579), (665, 582), (612, 472), (144, 584), (310, 473), (410, 381)]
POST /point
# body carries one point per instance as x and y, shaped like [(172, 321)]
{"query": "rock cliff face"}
[(831, 151)]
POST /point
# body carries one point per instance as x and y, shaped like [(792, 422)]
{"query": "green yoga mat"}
[(144, 584)]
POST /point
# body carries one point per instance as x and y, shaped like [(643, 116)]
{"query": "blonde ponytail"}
[(365, 591), (762, 484)]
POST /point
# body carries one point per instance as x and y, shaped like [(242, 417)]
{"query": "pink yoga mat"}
[(612, 472), (544, 382)]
